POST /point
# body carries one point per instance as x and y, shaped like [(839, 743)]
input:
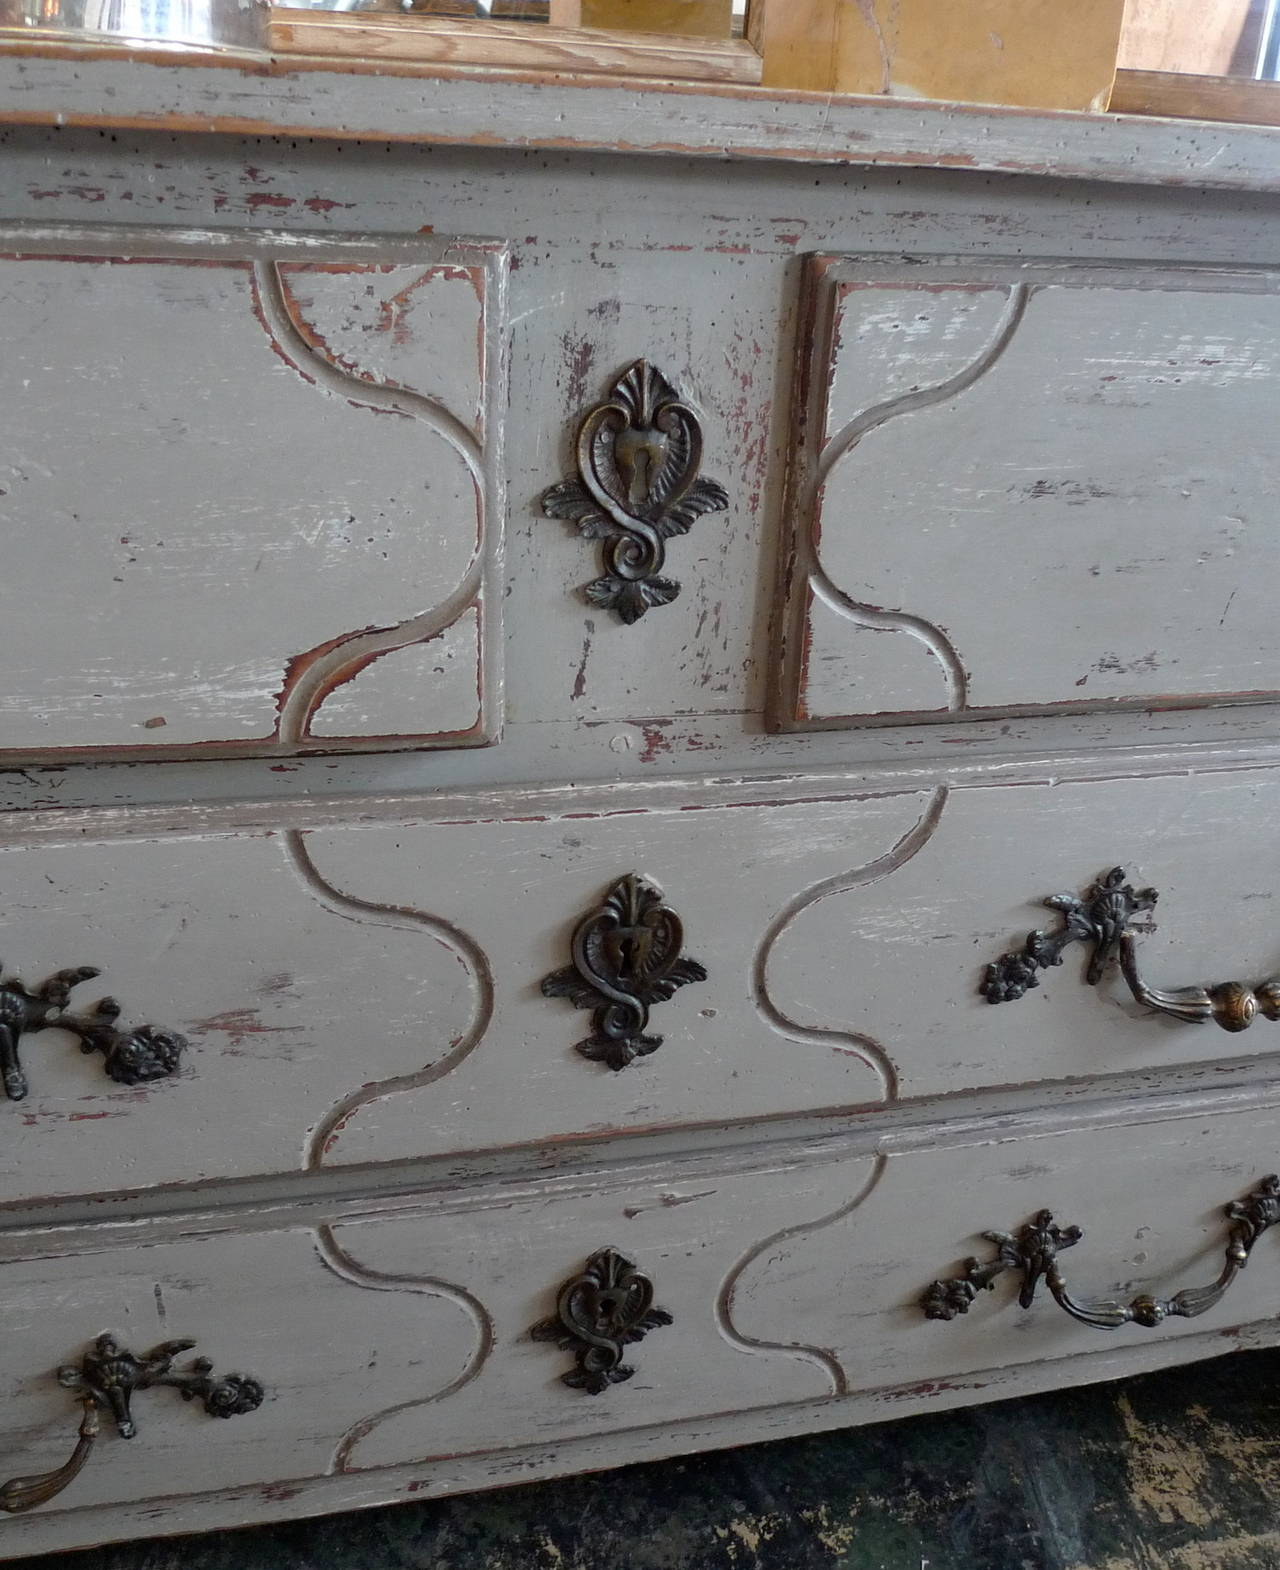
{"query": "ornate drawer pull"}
[(605, 1308), (25, 1493), (1035, 1248), (130, 1057), (638, 456), (1102, 917), (626, 957), (106, 1378)]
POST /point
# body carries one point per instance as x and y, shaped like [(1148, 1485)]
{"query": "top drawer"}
[(256, 488), (1030, 489)]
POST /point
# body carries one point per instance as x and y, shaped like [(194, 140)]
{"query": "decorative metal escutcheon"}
[(1033, 1252), (605, 1308), (106, 1378), (1104, 916), (638, 455), (626, 957), (130, 1057)]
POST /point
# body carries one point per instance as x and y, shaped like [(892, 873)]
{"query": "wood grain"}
[(793, 1295), (188, 656), (1027, 52), (1185, 97), (1170, 35), (383, 1154), (286, 945), (681, 18), (431, 40)]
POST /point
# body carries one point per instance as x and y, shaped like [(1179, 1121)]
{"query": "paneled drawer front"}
[(265, 512), (406, 1340), (1150, 1195), (1030, 489), (386, 1341), (369, 993)]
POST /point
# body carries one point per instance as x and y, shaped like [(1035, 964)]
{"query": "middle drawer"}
[(373, 992)]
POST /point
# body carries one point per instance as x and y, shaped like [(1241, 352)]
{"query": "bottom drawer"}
[(396, 1355)]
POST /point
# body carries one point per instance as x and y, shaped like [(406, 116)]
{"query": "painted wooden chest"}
[(639, 757)]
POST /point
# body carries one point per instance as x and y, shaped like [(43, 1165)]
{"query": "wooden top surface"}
[(108, 87)]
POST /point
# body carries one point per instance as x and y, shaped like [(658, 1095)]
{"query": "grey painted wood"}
[(394, 1343), (302, 98), (1030, 489), (383, 1153), (369, 994), (322, 410)]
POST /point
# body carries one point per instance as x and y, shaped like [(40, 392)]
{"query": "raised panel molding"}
[(1028, 489), (268, 514)]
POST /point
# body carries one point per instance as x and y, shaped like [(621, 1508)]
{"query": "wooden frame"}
[(443, 40), (1181, 96)]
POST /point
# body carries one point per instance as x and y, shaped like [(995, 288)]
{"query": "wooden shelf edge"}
[(429, 40), (1177, 96)]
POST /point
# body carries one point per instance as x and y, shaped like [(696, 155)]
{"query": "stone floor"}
[(1172, 1471)]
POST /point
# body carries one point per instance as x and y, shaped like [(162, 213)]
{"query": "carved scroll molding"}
[(726, 1299), (315, 673), (864, 1046), (638, 458), (808, 582), (304, 562), (342, 1262), (325, 1134)]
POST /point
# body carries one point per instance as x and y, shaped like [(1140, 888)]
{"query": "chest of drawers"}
[(548, 675)]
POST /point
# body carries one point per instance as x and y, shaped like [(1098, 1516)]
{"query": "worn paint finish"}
[(794, 1306), (380, 1119), (1029, 490), (66, 86), (316, 537), (1063, 1481), (369, 993)]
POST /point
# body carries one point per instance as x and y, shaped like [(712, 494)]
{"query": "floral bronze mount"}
[(626, 957), (607, 1307), (638, 455), (106, 1379), (130, 1057), (1105, 916)]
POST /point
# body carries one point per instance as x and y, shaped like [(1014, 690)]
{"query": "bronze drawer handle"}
[(1035, 1248), (25, 1493), (1103, 917), (130, 1057), (106, 1377)]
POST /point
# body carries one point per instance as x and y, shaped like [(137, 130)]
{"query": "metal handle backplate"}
[(106, 1378), (130, 1057)]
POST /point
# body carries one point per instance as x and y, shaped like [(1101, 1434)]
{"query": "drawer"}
[(1029, 489), (382, 1342), (264, 515), (396, 1349), (357, 992), (1149, 1194)]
